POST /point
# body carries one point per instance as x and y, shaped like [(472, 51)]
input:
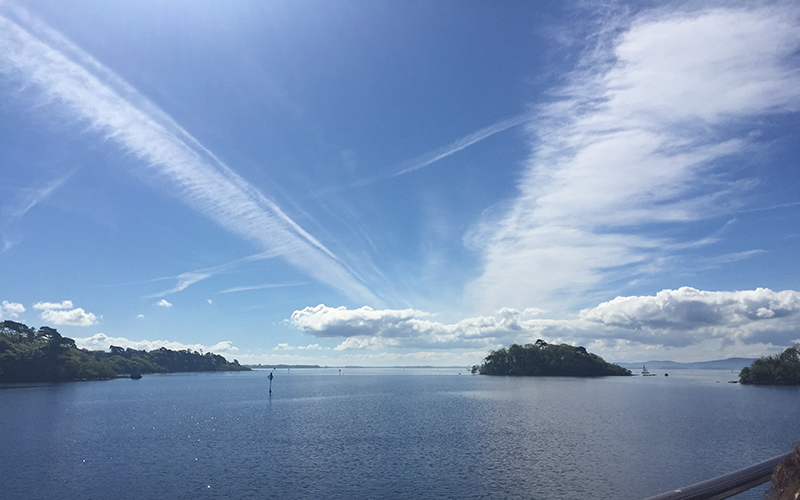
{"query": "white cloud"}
[(310, 347), (367, 328), (286, 347), (686, 316), (636, 140), (66, 304), (670, 319), (11, 310), (224, 346), (64, 313), (163, 303), (101, 341), (140, 316), (361, 343), (39, 58)]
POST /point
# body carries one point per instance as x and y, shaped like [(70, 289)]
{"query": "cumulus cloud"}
[(163, 303), (11, 310), (101, 341), (66, 304), (687, 315), (64, 313), (367, 328), (636, 139), (310, 347), (286, 347), (670, 318)]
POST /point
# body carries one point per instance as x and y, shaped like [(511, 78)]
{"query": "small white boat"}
[(646, 373)]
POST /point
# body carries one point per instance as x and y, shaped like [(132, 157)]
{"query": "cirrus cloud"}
[(36, 57), (635, 141)]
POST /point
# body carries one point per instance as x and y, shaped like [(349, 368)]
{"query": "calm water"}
[(390, 433)]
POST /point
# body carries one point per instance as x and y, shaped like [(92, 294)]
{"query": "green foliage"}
[(165, 360), (542, 359), (778, 369), (43, 355)]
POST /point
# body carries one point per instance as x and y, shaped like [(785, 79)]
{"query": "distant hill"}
[(719, 364)]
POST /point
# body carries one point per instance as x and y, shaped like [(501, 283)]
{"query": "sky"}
[(405, 183)]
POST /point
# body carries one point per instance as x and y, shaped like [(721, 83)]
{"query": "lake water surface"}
[(386, 433)]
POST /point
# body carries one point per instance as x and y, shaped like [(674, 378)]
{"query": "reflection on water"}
[(425, 433)]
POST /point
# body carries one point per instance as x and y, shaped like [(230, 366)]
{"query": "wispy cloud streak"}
[(454, 147), (38, 57), (260, 287), (635, 141), (36, 196), (461, 144)]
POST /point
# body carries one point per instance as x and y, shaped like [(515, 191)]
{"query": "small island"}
[(44, 355), (543, 359), (778, 369)]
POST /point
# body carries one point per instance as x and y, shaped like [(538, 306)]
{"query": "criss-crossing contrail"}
[(36, 57)]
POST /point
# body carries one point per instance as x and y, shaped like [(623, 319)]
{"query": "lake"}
[(386, 433)]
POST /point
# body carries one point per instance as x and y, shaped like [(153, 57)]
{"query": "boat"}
[(646, 373), (136, 375)]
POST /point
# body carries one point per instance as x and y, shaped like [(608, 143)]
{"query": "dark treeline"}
[(778, 369), (44, 355), (543, 359)]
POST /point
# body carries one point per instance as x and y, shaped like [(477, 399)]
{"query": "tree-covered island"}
[(778, 369), (44, 355), (543, 359)]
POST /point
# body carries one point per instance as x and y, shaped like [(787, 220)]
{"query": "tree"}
[(546, 359), (778, 369), (44, 355)]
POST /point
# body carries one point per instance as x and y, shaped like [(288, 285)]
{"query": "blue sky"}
[(402, 183)]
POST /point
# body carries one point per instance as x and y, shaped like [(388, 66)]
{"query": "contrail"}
[(462, 143), (454, 147), (36, 56)]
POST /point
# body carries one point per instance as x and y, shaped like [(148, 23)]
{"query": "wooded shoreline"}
[(44, 355)]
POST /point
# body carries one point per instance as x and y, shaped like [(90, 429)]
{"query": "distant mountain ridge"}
[(719, 364)]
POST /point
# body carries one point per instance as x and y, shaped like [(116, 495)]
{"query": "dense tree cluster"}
[(164, 360), (43, 355), (543, 359), (778, 369)]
